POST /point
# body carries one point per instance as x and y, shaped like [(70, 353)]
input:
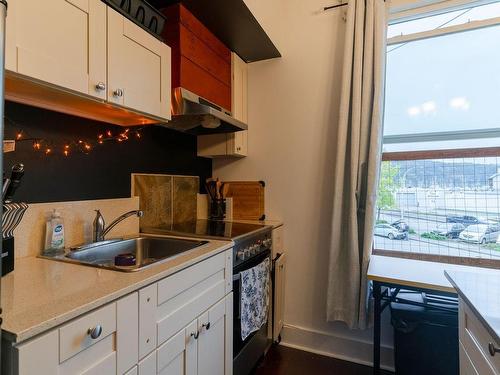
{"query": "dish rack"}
[(12, 215), (141, 13)]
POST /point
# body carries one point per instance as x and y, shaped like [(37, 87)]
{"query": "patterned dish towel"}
[(254, 297)]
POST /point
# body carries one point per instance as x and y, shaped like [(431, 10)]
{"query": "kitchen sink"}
[(140, 252)]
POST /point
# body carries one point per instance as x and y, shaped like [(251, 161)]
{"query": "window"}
[(439, 189)]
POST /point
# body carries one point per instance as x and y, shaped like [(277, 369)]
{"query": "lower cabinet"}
[(202, 347), (476, 356), (95, 343), (185, 320), (179, 325)]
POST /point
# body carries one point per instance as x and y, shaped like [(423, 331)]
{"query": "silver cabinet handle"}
[(101, 86), (493, 349), (95, 332), (118, 93), (195, 335), (207, 326)]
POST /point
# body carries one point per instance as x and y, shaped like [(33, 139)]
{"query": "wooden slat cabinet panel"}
[(231, 144), (61, 42), (200, 62), (138, 68)]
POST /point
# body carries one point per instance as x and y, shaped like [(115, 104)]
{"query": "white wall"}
[(293, 104)]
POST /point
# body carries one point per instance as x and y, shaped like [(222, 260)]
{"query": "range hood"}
[(195, 115)]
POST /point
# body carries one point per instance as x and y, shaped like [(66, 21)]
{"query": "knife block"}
[(7, 255)]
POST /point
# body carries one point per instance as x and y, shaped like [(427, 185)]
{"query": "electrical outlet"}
[(9, 146)]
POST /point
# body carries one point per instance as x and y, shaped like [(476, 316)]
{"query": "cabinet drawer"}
[(475, 339), (185, 295), (74, 337)]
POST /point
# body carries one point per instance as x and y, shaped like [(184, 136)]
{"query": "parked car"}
[(386, 230), (403, 227), (465, 219), (480, 233), (450, 230)]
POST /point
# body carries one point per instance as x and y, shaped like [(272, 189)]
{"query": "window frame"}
[(440, 8), (412, 14)]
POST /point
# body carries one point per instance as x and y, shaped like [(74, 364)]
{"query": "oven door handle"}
[(236, 277)]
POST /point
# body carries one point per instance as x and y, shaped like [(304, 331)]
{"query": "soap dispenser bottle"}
[(54, 232)]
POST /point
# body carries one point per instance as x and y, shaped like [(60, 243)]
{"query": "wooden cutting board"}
[(248, 199)]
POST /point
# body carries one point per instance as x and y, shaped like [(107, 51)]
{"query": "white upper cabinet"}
[(57, 48), (62, 42), (138, 68)]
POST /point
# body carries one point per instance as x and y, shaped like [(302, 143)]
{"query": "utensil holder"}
[(217, 209)]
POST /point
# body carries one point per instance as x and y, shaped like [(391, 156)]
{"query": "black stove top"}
[(225, 230)]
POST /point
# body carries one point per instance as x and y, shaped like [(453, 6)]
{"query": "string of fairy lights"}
[(77, 145)]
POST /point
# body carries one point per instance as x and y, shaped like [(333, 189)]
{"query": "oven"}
[(246, 353)]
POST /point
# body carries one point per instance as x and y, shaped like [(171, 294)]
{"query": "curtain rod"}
[(336, 6)]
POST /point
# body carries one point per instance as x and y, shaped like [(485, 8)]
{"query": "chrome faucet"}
[(100, 229)]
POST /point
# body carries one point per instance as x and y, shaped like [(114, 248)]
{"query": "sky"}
[(446, 83)]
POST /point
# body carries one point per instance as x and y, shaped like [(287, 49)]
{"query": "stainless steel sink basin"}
[(146, 250)]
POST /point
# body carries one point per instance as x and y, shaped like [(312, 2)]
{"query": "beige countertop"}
[(416, 273), (481, 291), (41, 294)]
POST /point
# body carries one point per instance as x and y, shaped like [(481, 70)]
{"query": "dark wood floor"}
[(281, 360)]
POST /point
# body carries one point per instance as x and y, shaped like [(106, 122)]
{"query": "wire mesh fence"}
[(446, 207)]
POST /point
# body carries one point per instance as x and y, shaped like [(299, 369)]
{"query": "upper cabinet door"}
[(138, 68), (62, 42)]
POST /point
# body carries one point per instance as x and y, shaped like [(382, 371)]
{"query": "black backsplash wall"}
[(105, 171)]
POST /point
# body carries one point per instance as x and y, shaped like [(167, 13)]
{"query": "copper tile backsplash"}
[(165, 199)]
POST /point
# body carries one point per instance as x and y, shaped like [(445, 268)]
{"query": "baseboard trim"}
[(329, 345)]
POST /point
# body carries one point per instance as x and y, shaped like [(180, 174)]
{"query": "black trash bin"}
[(425, 334)]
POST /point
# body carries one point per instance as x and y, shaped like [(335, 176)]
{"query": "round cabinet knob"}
[(101, 86), (118, 93), (206, 326), (493, 349), (95, 332)]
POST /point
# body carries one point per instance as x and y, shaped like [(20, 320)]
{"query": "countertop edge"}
[(476, 312), (36, 330)]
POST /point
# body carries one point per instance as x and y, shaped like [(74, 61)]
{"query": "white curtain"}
[(357, 164)]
